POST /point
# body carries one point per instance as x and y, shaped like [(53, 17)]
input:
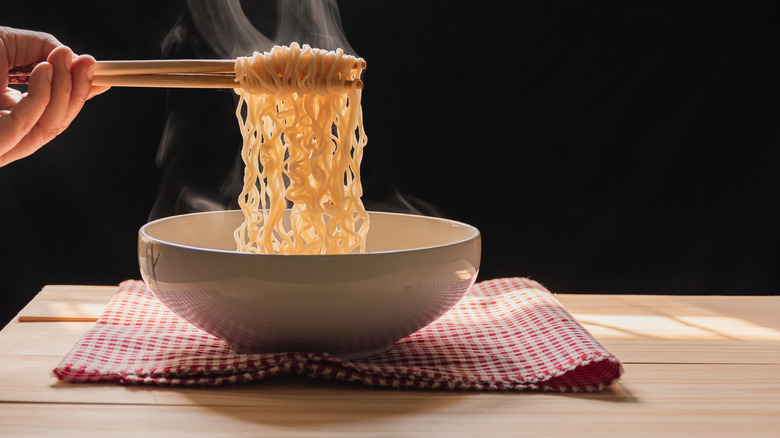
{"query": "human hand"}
[(57, 89)]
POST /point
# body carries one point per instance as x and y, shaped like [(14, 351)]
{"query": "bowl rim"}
[(476, 234)]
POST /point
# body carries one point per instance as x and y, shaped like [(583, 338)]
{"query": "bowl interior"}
[(387, 232)]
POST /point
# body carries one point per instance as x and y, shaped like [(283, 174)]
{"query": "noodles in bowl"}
[(298, 268)]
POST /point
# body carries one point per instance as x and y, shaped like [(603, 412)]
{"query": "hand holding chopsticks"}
[(192, 73), (55, 94)]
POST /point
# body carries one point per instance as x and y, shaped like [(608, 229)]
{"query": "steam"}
[(200, 144), (313, 22), (190, 200), (199, 151), (174, 123), (226, 28)]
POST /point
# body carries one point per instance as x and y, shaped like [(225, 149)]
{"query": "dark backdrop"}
[(611, 147)]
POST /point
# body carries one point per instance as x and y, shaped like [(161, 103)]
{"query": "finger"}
[(51, 122), (9, 98), (31, 46), (19, 122), (82, 70), (98, 90), (23, 47)]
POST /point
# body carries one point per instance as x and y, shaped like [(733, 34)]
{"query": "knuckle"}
[(49, 134), (24, 124), (78, 100)]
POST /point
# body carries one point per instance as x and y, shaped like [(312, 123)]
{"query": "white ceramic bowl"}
[(414, 270)]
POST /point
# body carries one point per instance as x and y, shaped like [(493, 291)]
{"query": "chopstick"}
[(164, 66), (193, 80), (165, 73), (33, 318), (170, 66)]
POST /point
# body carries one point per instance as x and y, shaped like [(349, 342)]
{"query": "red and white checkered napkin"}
[(504, 334)]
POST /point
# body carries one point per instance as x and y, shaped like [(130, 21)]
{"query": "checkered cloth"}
[(504, 334)]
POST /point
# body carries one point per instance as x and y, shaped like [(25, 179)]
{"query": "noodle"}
[(303, 143)]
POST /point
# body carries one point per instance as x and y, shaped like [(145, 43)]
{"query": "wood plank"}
[(58, 338), (692, 387), (607, 317), (706, 317), (344, 411), (70, 300), (46, 338), (693, 351)]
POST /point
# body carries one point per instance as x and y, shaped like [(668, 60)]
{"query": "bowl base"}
[(364, 354), (348, 355)]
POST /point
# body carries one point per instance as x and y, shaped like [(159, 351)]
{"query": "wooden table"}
[(694, 366)]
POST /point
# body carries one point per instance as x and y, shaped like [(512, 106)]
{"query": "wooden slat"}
[(428, 420), (703, 384), (671, 400), (50, 339), (64, 300), (699, 313), (693, 352)]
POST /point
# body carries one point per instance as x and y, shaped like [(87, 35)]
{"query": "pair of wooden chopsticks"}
[(184, 73), (166, 73)]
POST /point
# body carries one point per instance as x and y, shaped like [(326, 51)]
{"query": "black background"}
[(600, 147)]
